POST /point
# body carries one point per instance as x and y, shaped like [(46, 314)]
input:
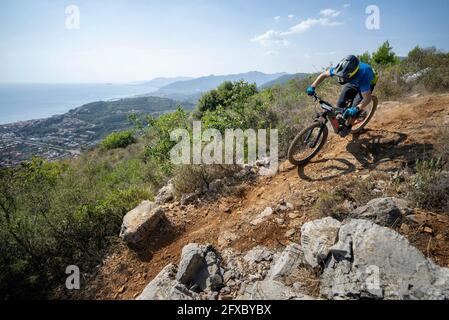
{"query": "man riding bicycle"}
[(359, 80)]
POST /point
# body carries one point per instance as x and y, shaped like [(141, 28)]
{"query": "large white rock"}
[(199, 267), (317, 237), (371, 261), (192, 261), (159, 288), (140, 223), (287, 263), (165, 287), (387, 212), (258, 254)]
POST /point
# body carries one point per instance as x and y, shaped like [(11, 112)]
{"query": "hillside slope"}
[(399, 133)]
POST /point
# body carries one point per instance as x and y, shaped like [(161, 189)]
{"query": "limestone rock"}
[(159, 288), (371, 261), (165, 194), (387, 212), (258, 254), (140, 223), (192, 260), (317, 237), (287, 263)]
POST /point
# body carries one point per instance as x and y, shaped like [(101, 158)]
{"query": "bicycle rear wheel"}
[(361, 123), (307, 144)]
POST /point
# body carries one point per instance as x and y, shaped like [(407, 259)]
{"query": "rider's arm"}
[(321, 78)]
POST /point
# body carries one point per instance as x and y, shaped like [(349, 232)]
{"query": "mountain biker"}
[(359, 80)]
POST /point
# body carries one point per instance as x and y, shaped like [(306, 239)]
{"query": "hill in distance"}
[(283, 79), (103, 117), (204, 84), (191, 90), (163, 81)]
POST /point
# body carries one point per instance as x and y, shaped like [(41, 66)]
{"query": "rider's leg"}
[(349, 92)]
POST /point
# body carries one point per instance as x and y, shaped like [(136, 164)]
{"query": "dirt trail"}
[(397, 135)]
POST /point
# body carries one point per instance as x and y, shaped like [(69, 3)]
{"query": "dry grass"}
[(190, 178)]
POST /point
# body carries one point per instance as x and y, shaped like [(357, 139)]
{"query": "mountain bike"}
[(308, 143)]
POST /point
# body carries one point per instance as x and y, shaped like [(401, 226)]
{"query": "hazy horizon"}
[(133, 82)]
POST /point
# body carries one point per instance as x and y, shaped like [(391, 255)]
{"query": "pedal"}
[(345, 131)]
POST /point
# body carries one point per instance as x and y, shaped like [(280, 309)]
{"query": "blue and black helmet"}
[(347, 68)]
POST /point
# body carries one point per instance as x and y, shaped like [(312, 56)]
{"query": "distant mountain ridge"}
[(165, 81), (207, 83), (283, 79), (191, 90)]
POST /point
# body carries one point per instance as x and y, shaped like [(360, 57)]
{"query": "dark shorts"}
[(350, 96)]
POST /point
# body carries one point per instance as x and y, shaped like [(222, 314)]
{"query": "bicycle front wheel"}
[(307, 144)]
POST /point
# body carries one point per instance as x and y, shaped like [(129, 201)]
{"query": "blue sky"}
[(134, 40)]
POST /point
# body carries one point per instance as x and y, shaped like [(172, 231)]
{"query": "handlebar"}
[(321, 101), (318, 98)]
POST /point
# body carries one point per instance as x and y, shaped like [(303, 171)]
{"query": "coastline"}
[(43, 101)]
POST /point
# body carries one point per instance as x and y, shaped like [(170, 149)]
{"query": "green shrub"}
[(227, 95), (117, 140), (442, 146), (157, 150), (429, 187), (384, 55), (57, 214), (390, 84), (365, 57)]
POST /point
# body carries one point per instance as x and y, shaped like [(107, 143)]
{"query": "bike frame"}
[(330, 113)]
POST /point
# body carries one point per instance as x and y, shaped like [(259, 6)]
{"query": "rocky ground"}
[(253, 237)]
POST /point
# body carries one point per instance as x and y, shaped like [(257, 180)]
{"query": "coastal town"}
[(15, 146), (69, 134)]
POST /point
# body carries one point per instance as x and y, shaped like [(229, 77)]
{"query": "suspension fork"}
[(320, 133)]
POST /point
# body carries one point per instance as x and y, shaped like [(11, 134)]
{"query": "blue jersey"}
[(363, 79)]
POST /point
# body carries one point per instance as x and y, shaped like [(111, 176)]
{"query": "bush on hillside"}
[(157, 133), (437, 64), (384, 56), (227, 95), (55, 214), (117, 140), (365, 57), (429, 187), (190, 178)]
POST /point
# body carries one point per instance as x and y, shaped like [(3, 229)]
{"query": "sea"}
[(19, 102)]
